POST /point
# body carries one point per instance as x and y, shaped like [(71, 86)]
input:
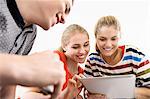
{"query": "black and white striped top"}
[(132, 62)]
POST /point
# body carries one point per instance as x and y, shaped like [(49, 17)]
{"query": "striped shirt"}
[(133, 62)]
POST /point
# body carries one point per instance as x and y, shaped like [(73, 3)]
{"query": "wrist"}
[(7, 71), (21, 74), (25, 73)]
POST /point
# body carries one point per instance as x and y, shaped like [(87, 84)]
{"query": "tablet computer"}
[(120, 86)]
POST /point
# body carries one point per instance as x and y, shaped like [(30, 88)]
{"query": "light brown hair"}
[(106, 21), (69, 32)]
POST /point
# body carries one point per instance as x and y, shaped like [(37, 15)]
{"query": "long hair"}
[(106, 21)]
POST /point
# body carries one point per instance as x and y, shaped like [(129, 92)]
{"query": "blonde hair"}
[(69, 32), (106, 21)]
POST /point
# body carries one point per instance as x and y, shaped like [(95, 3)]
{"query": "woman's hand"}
[(72, 90), (74, 86), (142, 93), (90, 95)]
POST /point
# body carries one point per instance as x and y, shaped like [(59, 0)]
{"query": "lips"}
[(107, 49), (81, 56)]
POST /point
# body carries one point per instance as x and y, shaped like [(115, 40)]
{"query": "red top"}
[(68, 74)]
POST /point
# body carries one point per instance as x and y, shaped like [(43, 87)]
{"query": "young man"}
[(17, 35)]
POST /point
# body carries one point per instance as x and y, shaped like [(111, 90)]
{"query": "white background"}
[(134, 16)]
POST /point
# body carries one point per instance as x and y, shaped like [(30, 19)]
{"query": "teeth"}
[(108, 49), (81, 56)]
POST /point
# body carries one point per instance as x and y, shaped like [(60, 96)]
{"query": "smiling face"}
[(107, 34), (107, 40), (53, 12), (78, 47)]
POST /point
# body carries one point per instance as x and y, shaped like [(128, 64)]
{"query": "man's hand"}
[(40, 70)]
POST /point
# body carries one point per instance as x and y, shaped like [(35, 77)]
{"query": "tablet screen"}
[(120, 86)]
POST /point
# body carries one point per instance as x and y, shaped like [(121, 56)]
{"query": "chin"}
[(81, 61), (45, 26), (107, 54)]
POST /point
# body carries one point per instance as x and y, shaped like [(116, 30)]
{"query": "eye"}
[(86, 44), (114, 38), (75, 47), (102, 39), (67, 10)]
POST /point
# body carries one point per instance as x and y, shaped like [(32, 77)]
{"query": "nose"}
[(60, 18), (82, 50), (108, 43)]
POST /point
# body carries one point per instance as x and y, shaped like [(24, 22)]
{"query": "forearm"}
[(12, 70), (39, 69), (6, 70), (142, 93)]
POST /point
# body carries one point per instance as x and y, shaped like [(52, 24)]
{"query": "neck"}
[(115, 58), (72, 66)]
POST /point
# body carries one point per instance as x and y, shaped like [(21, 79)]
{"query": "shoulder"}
[(94, 54), (95, 57), (134, 50), (61, 55)]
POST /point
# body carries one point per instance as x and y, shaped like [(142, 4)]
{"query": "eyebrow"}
[(79, 44), (76, 44), (105, 37)]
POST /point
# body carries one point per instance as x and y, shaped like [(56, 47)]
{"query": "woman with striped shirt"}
[(111, 59)]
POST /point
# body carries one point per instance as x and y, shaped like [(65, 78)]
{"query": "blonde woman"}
[(110, 58), (74, 50)]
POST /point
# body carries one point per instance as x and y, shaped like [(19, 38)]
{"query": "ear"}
[(64, 48)]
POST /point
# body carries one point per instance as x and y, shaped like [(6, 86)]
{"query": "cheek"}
[(71, 53), (115, 43), (59, 6), (87, 49), (100, 44), (52, 13)]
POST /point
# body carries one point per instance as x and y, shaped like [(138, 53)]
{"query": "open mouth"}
[(107, 49), (81, 56)]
